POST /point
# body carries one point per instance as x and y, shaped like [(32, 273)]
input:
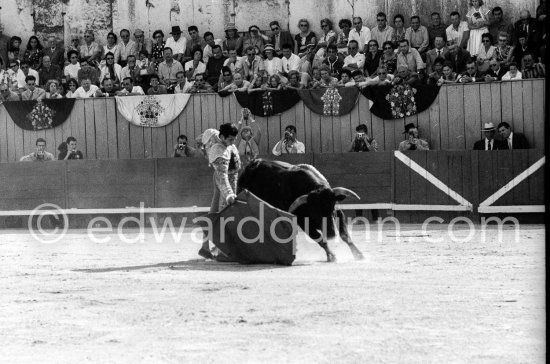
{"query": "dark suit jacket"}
[(431, 55), (459, 63), (532, 30), (57, 56), (501, 72), (497, 145), (519, 141), (286, 37)]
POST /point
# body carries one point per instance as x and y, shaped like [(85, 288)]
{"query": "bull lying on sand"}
[(303, 191)]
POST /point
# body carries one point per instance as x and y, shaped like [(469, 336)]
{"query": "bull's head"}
[(318, 205)]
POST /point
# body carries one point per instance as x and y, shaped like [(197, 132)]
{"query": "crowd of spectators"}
[(477, 47)]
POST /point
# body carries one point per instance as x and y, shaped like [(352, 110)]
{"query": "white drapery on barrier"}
[(152, 110)]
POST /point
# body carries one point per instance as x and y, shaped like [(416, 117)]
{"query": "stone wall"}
[(69, 17)]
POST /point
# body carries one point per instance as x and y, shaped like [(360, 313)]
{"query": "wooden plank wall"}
[(453, 122)]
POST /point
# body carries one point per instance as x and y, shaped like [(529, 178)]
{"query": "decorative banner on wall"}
[(153, 110), (394, 102), (330, 101), (269, 102), (41, 114)]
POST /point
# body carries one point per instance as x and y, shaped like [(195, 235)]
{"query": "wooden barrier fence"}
[(453, 122), (456, 181)]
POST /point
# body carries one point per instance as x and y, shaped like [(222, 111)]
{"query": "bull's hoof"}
[(331, 258), (358, 255), (205, 254)]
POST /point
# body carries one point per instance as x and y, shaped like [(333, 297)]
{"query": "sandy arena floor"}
[(410, 301)]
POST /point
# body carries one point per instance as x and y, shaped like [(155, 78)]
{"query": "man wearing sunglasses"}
[(25, 70), (471, 74), (354, 59), (279, 37), (495, 71)]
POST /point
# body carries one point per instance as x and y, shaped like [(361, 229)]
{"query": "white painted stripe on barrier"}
[(405, 207), (432, 179), (513, 183), (511, 209)]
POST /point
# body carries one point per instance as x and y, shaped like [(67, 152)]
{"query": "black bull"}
[(304, 191)]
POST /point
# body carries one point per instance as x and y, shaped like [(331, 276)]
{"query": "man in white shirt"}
[(361, 34), (183, 86), (383, 32), (289, 144), (292, 62), (86, 90), (458, 32), (127, 47), (177, 43), (232, 60), (354, 57), (129, 89), (417, 35), (24, 71), (409, 57), (210, 42)]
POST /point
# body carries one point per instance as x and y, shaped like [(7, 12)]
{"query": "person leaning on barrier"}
[(7, 95), (32, 92), (182, 149), (200, 85), (40, 155), (289, 144), (129, 89), (69, 151), (512, 140), (413, 142), (362, 141)]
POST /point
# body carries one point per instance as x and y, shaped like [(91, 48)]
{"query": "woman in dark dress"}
[(372, 58), (388, 58), (303, 38), (34, 53), (158, 48)]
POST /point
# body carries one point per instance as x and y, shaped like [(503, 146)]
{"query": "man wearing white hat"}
[(177, 43), (489, 142)]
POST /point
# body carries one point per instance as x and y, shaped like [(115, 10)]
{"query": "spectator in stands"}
[(32, 92), (399, 30), (513, 73), (436, 29), (291, 62), (73, 46), (489, 142), (238, 84), (273, 83), (361, 34), (195, 66), (417, 35), (372, 58), (458, 32), (111, 70), (315, 80), (289, 144), (437, 71), (458, 57), (129, 89), (72, 86), (34, 53), (332, 60), (112, 47), (389, 58), (108, 89), (86, 89), (23, 73), (294, 81), (232, 40), (303, 38), (182, 149), (382, 78), (156, 88), (359, 79), (127, 47), (90, 51), (182, 86), (4, 75), (248, 139), (343, 38), (48, 71), (254, 39), (143, 44), (169, 69), (405, 75), (257, 84), (14, 50), (495, 72), (53, 90), (382, 32), (523, 47), (196, 41), (485, 53), (272, 65), (214, 67), (345, 79), (200, 85), (130, 70), (478, 20), (472, 74), (499, 25), (40, 155), (449, 76), (232, 60), (439, 51), (532, 69), (362, 141), (503, 51), (226, 79), (279, 37), (413, 142), (541, 30), (354, 57), (250, 65), (71, 69), (177, 43), (157, 53), (210, 43), (56, 54), (409, 57), (328, 37), (6, 94), (71, 152), (326, 79), (87, 71), (512, 140), (526, 25)]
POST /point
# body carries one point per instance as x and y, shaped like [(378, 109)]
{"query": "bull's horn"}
[(344, 191), (297, 203)]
